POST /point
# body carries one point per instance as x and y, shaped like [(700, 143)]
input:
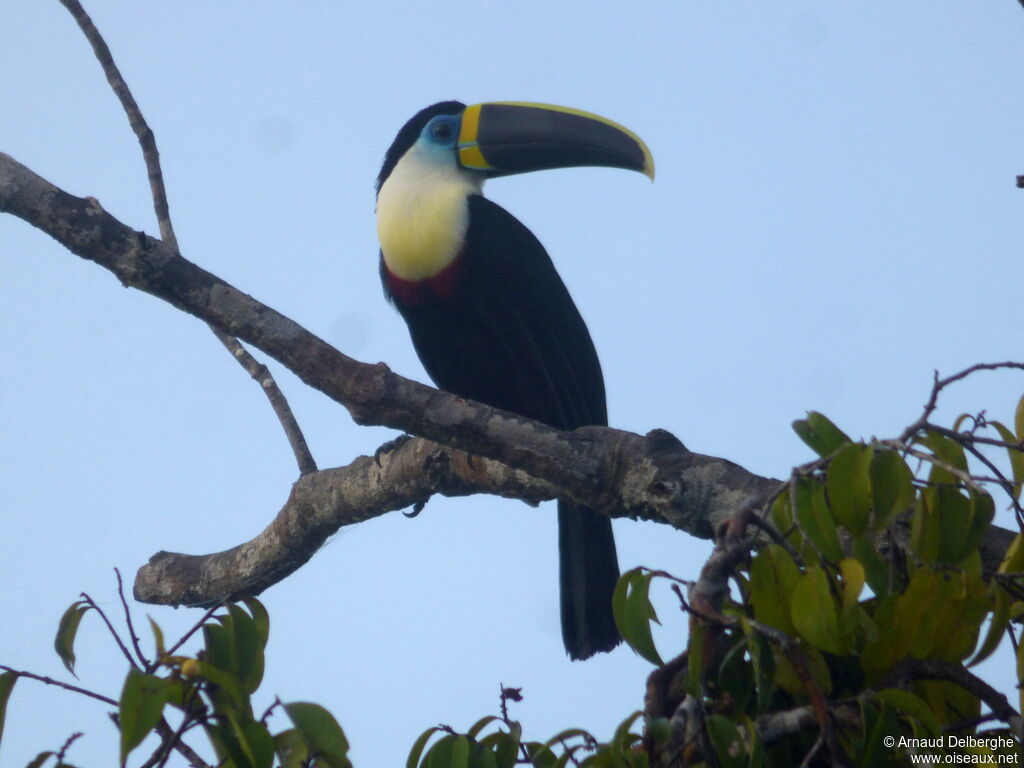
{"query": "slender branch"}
[(113, 632), (261, 374), (130, 624), (151, 156), (941, 384), (59, 684), (131, 108), (195, 628), (67, 744)]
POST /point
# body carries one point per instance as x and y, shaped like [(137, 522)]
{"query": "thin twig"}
[(940, 384), (195, 627), (63, 750), (151, 156), (261, 374), (113, 632), (59, 684), (172, 737), (138, 122), (131, 626)]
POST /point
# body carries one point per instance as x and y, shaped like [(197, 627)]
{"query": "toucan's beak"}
[(503, 138)]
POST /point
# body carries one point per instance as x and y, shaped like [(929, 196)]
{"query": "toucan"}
[(489, 317)]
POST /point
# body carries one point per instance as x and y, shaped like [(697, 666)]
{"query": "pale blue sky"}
[(834, 217)]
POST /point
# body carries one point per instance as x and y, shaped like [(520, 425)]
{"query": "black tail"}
[(589, 569)]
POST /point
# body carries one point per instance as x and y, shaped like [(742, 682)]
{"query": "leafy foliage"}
[(861, 616), (836, 623)]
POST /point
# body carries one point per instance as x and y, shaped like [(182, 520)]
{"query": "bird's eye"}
[(442, 130)]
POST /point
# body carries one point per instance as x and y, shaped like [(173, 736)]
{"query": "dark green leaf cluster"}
[(503, 747)]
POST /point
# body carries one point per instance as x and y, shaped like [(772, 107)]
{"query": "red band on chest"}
[(443, 285)]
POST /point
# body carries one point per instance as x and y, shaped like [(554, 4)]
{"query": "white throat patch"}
[(422, 213)]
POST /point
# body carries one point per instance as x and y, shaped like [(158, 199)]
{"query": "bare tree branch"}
[(151, 156), (620, 473)]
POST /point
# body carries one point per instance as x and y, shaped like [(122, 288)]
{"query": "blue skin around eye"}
[(453, 131)]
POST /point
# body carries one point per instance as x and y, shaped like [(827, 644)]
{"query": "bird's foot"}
[(389, 446)]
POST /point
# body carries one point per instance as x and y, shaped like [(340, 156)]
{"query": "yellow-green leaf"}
[(158, 637), (773, 575), (814, 611), (891, 485), (876, 571), (848, 482), (291, 749), (820, 434), (853, 581), (816, 521), (997, 625), (1016, 456)]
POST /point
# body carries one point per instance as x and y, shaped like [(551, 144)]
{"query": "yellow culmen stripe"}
[(470, 155), (648, 168)]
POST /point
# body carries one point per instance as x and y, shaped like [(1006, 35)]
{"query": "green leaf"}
[(727, 741), (816, 521), (322, 733), (248, 648), (1015, 455), (443, 753), (479, 725), (219, 648), (634, 612), (7, 681), (1018, 420), (291, 749), (763, 662), (158, 637), (413, 761), (891, 485), (821, 435), (505, 746), (1020, 676), (953, 513), (773, 575), (853, 581), (912, 705), (140, 708), (848, 482), (541, 755), (876, 571), (982, 511), (256, 740), (260, 618), (814, 611), (41, 758), (996, 627), (64, 643), (950, 453), (460, 752)]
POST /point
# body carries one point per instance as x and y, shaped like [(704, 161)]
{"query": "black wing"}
[(510, 336)]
